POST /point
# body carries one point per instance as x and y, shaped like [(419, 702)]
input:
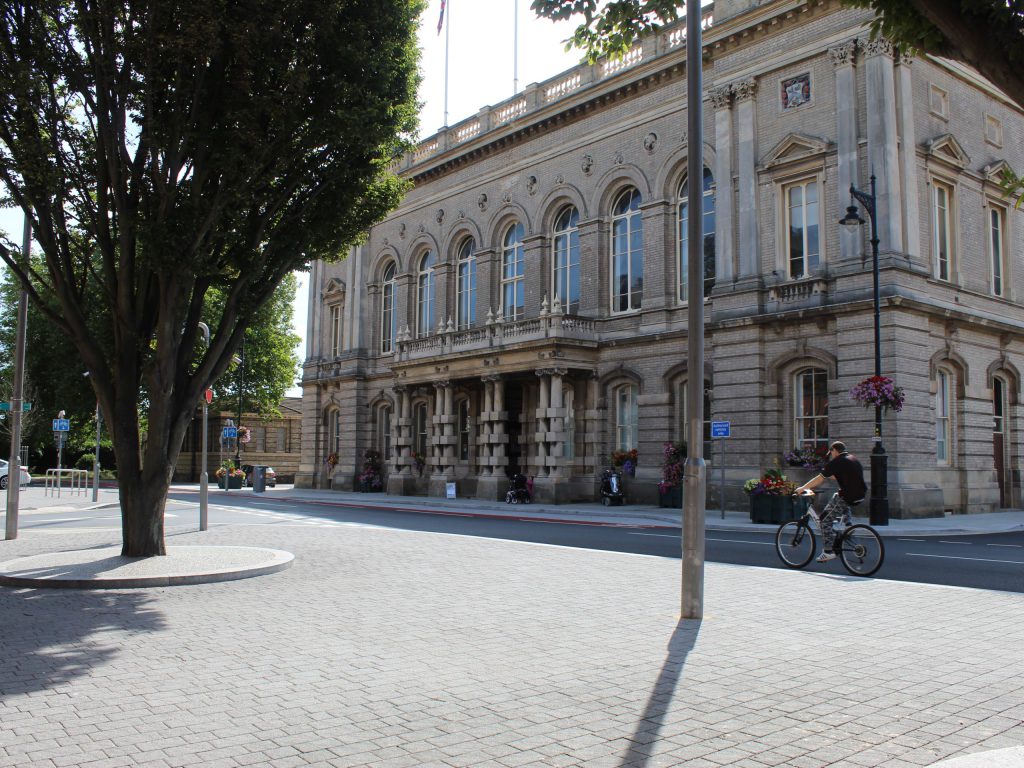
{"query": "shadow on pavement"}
[(51, 637), (648, 728)]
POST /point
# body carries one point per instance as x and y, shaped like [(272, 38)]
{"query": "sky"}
[(481, 72)]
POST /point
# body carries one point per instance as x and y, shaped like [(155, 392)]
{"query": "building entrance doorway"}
[(514, 426), (999, 437)]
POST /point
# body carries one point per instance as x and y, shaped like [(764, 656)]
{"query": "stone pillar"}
[(449, 427), (846, 138), (746, 154), (540, 434), (908, 159), (725, 267), (883, 149), (556, 423), (491, 482)]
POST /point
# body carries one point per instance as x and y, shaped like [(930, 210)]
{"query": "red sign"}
[(208, 394)]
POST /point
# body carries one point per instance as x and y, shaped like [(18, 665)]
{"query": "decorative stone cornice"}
[(720, 97), (842, 55), (744, 90), (879, 46)]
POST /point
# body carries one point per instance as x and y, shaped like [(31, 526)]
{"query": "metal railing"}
[(78, 481)]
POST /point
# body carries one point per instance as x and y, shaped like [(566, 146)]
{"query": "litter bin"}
[(259, 479)]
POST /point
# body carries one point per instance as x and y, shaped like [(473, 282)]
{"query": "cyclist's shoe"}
[(824, 557)]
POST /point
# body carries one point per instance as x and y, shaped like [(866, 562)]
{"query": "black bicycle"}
[(859, 546)]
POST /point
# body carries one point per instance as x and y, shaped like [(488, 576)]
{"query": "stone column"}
[(908, 159), (846, 138), (436, 440), (403, 432), (449, 427), (746, 153), (540, 434), (883, 148), (725, 268), (487, 428), (556, 424)]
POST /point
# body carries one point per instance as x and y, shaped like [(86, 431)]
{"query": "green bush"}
[(85, 461)]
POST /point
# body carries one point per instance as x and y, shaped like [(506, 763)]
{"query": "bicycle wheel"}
[(861, 550), (795, 544)]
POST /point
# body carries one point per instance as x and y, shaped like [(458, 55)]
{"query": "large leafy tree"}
[(167, 149), (988, 35), (54, 377)]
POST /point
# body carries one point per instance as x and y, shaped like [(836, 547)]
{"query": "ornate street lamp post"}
[(879, 504)]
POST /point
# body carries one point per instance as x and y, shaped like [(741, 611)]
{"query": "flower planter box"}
[(766, 508), (672, 498), (235, 483)]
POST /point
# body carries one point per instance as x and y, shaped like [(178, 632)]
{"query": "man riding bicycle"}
[(848, 473)]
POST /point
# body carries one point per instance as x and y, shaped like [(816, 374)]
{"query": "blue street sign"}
[(720, 428), (62, 425), (229, 433)]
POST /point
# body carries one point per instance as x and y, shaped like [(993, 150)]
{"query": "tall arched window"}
[(419, 429), (810, 407), (334, 432), (708, 208), (943, 420), (383, 430), (627, 269), (425, 294), (465, 291), (388, 316), (627, 424), (513, 297), (802, 224), (566, 261)]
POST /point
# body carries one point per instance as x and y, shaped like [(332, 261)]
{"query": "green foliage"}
[(985, 34), (170, 151)]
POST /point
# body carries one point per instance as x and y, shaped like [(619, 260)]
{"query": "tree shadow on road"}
[(52, 636), (648, 727)]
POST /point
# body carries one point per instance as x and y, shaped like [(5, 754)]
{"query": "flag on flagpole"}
[(440, 19)]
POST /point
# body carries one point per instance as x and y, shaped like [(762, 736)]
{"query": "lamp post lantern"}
[(879, 504)]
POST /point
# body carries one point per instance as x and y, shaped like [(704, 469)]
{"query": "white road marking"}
[(963, 543), (1014, 546), (918, 540), (975, 559)]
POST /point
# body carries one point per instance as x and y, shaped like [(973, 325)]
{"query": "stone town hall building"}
[(524, 308)]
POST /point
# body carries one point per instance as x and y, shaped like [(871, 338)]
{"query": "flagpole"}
[(515, 50), (447, 27)]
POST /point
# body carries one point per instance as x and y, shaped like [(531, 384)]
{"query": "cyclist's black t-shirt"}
[(849, 475)]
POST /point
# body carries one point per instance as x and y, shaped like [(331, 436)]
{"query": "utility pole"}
[(695, 469), (17, 398)]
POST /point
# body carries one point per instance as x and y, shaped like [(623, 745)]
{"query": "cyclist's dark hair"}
[(838, 445)]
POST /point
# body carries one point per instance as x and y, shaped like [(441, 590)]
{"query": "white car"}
[(26, 478)]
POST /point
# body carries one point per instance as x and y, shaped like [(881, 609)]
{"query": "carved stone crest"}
[(618, 159), (531, 185), (559, 179), (481, 202), (587, 164), (401, 231), (507, 197), (439, 215), (650, 143)]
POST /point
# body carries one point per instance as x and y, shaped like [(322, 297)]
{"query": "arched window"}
[(513, 297), (708, 208), (383, 430), (425, 294), (388, 316), (566, 260), (627, 424), (465, 291), (943, 420), (419, 428), (334, 432), (463, 412), (810, 407), (627, 269)]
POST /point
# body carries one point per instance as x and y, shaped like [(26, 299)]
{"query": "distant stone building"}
[(524, 309), (273, 442)]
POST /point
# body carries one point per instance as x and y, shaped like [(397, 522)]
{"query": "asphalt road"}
[(990, 561)]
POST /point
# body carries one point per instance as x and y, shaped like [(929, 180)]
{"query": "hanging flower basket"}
[(625, 461), (878, 391)]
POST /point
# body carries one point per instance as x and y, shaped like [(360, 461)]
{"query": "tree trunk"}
[(142, 514)]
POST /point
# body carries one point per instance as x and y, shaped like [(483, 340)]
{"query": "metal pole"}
[(17, 402), (96, 459), (447, 26), (879, 504), (695, 474), (241, 389), (204, 481)]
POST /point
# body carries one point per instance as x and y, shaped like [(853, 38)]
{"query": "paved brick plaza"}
[(391, 648)]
